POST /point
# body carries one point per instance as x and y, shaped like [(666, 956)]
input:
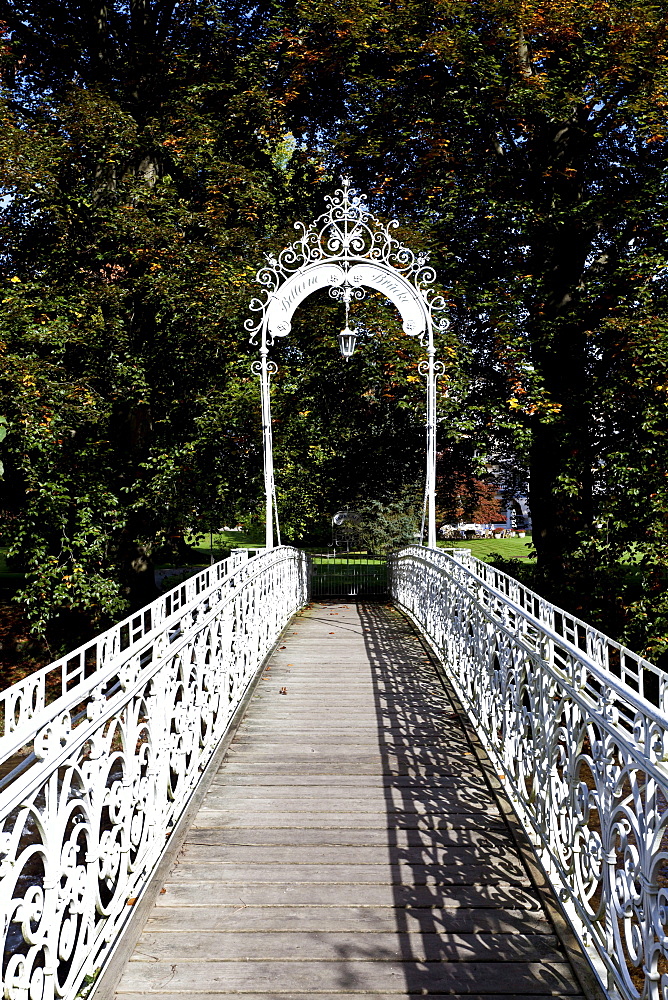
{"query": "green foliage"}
[(136, 163), (146, 166), (528, 143), (386, 527), (150, 153)]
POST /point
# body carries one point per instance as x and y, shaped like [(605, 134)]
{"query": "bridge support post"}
[(432, 370), (431, 446), (266, 369)]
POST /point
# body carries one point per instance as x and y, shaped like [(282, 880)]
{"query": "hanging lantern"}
[(347, 340)]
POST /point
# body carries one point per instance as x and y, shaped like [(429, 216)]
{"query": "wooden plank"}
[(378, 719), (383, 739), (450, 799), (453, 854), (311, 977), (464, 920), (278, 742), (446, 790), (368, 767), (258, 784), (452, 756), (368, 995), (351, 946), (323, 820), (499, 896), (298, 701), (374, 764), (250, 836), (398, 873)]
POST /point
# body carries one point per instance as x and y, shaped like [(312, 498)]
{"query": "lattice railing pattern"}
[(101, 751), (583, 755)]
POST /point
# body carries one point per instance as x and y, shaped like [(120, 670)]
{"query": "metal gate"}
[(347, 575)]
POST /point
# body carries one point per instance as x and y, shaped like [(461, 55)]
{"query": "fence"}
[(577, 728), (101, 751), (348, 575)]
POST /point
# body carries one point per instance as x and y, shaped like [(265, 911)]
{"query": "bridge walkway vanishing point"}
[(351, 842)]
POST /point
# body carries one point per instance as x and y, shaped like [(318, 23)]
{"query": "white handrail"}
[(582, 754)]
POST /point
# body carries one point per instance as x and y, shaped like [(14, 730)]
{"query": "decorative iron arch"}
[(347, 249)]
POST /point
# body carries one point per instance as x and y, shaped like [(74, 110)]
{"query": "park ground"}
[(219, 543)]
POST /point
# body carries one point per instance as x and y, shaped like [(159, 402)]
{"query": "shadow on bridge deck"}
[(350, 843)]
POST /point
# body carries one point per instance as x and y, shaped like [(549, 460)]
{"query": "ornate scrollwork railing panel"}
[(577, 727), (101, 751)]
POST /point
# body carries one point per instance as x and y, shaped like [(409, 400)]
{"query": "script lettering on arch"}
[(383, 279), (293, 291), (400, 291)]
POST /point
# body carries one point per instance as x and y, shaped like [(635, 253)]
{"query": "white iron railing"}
[(577, 728), (101, 751)]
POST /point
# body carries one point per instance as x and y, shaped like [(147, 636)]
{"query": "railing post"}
[(431, 442)]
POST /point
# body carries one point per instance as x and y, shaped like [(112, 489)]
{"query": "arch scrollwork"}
[(347, 249)]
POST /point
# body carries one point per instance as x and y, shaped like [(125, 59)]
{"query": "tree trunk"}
[(561, 474), (137, 572)]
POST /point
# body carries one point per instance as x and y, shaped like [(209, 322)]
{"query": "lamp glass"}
[(347, 341)]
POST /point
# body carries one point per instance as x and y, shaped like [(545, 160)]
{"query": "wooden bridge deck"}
[(350, 843)]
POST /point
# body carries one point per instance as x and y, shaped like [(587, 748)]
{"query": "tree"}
[(146, 166), (529, 138), (151, 152), (385, 527), (463, 497), (138, 167)]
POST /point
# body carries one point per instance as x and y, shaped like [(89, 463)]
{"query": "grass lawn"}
[(223, 541), (481, 548), (486, 548)]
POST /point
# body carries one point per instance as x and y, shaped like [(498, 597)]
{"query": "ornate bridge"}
[(107, 755)]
